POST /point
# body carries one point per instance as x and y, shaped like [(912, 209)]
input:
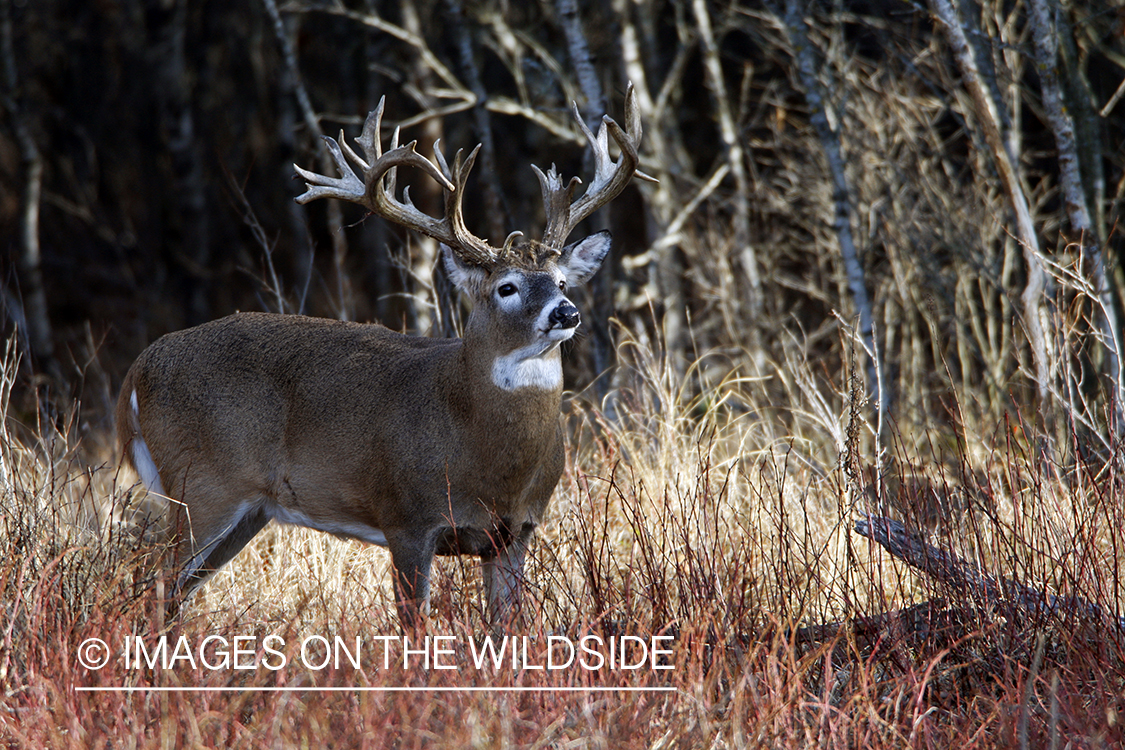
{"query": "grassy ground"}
[(685, 518)]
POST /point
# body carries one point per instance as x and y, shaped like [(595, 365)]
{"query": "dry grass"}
[(673, 520)]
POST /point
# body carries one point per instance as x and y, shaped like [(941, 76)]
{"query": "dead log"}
[(931, 624), (1011, 599)]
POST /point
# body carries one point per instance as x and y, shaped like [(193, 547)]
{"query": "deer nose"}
[(564, 316)]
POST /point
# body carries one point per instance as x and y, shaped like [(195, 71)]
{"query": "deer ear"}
[(581, 260), (464, 276)]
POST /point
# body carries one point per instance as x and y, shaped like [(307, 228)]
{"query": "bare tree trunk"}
[(1033, 297), (177, 121), (601, 286), (736, 158), (382, 271), (346, 307), (495, 209), (304, 251), (424, 254), (36, 320), (878, 390), (667, 256), (1079, 96), (1044, 32)]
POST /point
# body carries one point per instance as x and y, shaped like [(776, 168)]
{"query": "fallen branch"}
[(1013, 600), (934, 624)]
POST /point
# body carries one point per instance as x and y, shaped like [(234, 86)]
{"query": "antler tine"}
[(372, 136), (345, 187), (390, 182), (376, 190), (470, 247), (610, 177), (556, 206)]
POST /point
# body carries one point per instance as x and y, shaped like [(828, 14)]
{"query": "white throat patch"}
[(528, 367)]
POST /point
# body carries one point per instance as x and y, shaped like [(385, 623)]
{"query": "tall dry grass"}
[(691, 516)]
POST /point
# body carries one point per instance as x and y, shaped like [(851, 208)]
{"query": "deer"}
[(425, 446)]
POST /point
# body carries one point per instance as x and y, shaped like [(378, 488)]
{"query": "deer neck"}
[(520, 386), (528, 369), (509, 440)]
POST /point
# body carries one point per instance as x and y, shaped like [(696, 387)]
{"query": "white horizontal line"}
[(289, 689)]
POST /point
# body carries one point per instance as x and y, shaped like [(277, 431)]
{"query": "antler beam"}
[(375, 191)]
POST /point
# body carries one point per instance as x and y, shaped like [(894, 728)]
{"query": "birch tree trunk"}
[(664, 260), (878, 390), (1044, 32), (1033, 297)]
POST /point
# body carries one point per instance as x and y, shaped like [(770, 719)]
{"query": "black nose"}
[(564, 316)]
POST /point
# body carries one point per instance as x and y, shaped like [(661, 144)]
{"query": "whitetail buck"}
[(425, 446)]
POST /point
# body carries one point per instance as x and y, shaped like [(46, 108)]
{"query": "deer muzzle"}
[(565, 315)]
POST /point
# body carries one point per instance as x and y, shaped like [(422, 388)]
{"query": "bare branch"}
[(375, 21)]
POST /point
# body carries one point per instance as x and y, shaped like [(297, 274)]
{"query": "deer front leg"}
[(503, 579), (412, 556)]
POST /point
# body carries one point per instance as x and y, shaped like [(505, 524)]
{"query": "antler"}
[(375, 191), (610, 177)]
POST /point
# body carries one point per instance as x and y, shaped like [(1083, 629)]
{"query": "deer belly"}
[(342, 528)]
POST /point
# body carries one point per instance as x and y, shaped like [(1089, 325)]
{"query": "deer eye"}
[(506, 290), (562, 286)]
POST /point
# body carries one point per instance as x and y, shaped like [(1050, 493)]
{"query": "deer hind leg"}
[(203, 551)]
